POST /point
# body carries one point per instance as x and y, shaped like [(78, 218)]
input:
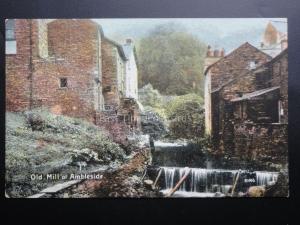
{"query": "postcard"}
[(146, 108)]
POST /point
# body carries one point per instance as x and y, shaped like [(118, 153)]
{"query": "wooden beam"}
[(158, 176), (179, 182), (235, 182)]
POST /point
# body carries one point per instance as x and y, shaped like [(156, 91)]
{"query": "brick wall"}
[(17, 69), (73, 48), (111, 73)]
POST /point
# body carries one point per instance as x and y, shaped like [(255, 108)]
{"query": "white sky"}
[(225, 32)]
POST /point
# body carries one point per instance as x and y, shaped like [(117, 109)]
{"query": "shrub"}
[(186, 116)]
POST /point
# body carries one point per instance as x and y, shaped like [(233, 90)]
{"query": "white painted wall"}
[(131, 90), (207, 103)]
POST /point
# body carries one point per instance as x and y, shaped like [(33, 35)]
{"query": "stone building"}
[(236, 63), (249, 104), (66, 65), (120, 83), (260, 112)]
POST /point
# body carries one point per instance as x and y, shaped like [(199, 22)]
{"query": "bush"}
[(153, 123), (186, 116), (150, 97), (40, 142)]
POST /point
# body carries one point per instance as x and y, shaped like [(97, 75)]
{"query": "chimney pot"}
[(222, 53)]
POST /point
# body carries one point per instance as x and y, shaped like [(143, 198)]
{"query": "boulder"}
[(256, 191), (83, 155), (148, 183)]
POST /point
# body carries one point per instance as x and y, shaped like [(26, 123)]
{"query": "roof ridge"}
[(244, 44)]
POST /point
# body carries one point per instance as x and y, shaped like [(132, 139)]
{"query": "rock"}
[(241, 194), (148, 182), (83, 155), (280, 188), (256, 191), (219, 194), (215, 187)]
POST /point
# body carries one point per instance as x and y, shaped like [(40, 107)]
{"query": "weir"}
[(213, 180)]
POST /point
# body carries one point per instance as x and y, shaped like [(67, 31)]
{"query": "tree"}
[(186, 116), (171, 60)]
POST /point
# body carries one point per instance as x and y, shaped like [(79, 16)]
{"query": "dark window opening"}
[(263, 111), (263, 80), (107, 89), (63, 82)]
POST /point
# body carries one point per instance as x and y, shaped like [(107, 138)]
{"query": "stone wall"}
[(264, 142), (235, 64), (279, 70)]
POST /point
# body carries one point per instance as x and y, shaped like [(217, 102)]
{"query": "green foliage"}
[(186, 116), (149, 96), (40, 142), (171, 60)]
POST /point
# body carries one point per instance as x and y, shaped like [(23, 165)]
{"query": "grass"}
[(38, 142)]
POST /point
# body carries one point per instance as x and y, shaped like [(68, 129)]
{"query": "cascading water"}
[(263, 178), (213, 180)]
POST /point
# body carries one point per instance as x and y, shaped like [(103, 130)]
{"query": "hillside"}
[(38, 142)]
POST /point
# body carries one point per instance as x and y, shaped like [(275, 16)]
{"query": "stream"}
[(176, 159)]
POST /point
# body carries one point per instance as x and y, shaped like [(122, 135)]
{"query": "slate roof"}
[(255, 94)]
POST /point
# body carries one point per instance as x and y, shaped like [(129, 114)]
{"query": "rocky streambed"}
[(124, 181)]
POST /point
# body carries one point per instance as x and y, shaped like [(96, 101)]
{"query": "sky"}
[(219, 33)]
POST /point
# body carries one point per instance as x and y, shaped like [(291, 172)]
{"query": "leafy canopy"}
[(171, 60)]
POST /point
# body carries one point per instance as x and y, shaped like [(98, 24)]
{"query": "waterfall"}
[(263, 178), (214, 180)]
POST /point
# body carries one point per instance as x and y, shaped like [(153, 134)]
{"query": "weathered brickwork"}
[(71, 68), (113, 73), (18, 69), (73, 52)]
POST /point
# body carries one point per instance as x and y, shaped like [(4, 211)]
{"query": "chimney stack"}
[(216, 53), (209, 52), (222, 53)]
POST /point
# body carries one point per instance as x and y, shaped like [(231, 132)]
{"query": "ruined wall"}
[(265, 142)]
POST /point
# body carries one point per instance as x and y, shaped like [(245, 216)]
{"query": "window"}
[(252, 65), (10, 39), (63, 82)]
